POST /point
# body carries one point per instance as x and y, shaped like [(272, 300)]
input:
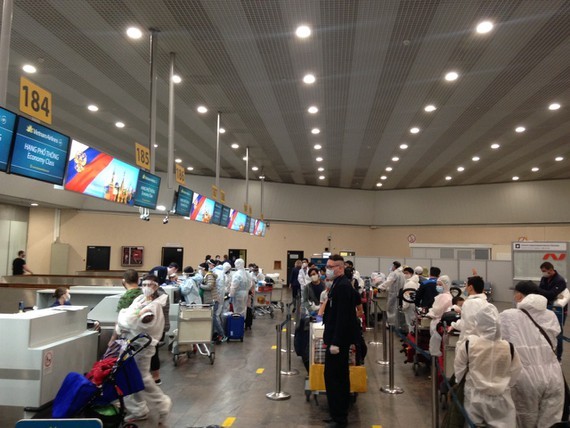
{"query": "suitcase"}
[(249, 317), (235, 327)]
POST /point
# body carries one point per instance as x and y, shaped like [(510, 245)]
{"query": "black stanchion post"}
[(375, 340), (434, 394), (289, 371), (391, 389), (384, 361), (278, 395)]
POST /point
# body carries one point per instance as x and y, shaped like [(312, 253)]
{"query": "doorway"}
[(292, 257), (237, 254)]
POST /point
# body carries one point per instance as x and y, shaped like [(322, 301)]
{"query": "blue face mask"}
[(323, 277), (439, 288)]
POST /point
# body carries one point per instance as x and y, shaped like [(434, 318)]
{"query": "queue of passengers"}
[(510, 361)]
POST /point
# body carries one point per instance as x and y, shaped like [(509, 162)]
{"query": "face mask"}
[(147, 291), (407, 276), (545, 274), (323, 277), (68, 297), (328, 283), (330, 273), (315, 278), (304, 265), (439, 288)]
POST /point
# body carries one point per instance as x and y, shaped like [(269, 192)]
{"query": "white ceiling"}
[(377, 64)]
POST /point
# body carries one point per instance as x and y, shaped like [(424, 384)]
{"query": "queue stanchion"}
[(369, 303), (289, 328), (278, 395), (384, 361), (289, 371), (391, 389), (374, 341), (434, 394)]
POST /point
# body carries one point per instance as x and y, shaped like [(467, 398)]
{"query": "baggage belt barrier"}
[(278, 395)]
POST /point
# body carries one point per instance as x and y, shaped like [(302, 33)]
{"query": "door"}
[(292, 257), (173, 254), (237, 254)]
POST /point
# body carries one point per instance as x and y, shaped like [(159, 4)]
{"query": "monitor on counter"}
[(7, 128), (98, 174), (38, 152), (183, 201)]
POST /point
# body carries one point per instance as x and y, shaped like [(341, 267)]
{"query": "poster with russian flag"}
[(98, 174), (202, 208)]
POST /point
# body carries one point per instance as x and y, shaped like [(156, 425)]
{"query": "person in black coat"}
[(340, 326)]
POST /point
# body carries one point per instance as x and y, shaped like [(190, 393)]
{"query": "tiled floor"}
[(205, 394)]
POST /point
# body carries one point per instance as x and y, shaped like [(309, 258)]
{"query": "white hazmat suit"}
[(394, 283), (492, 371), (240, 285), (441, 305), (539, 391)]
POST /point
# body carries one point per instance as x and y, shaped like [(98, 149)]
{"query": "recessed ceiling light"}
[(315, 131), (414, 130), (484, 27), (319, 159), (222, 131), (313, 109), (378, 184), (388, 168), (451, 76), (309, 79), (554, 106), (429, 108), (156, 146), (255, 168), (403, 146), (520, 129), (244, 158), (262, 177), (161, 208), (460, 169), (383, 177), (119, 124), (235, 146), (134, 33), (495, 146), (190, 168), (92, 107), (303, 31), (475, 158), (558, 158), (448, 178), (320, 169), (321, 177), (178, 160), (28, 68), (395, 159), (34, 204), (202, 109), (515, 178), (176, 78), (317, 147), (535, 169)]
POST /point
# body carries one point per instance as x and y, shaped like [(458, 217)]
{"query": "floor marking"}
[(274, 347), (229, 422), (284, 329), (376, 426), (259, 371)]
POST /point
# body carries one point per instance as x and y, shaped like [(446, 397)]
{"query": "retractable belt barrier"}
[(435, 418), (278, 395)]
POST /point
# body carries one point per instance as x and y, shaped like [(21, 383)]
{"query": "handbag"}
[(454, 417), (566, 408)]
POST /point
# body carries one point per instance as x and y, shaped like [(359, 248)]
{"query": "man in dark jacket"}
[(427, 290), (340, 325), (551, 285)]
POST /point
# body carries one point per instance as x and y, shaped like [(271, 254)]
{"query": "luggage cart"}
[(262, 301), (277, 295), (194, 332)]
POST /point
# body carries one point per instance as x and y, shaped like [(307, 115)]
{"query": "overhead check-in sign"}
[(180, 175), (142, 155), (35, 100)]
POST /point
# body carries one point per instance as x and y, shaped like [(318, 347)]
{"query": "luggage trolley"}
[(194, 332), (262, 300)]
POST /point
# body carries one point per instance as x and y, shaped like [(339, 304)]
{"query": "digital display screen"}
[(7, 124), (248, 221), (39, 152), (98, 174), (202, 208), (252, 226), (184, 201), (237, 220), (147, 190), (225, 216), (259, 228), (217, 216)]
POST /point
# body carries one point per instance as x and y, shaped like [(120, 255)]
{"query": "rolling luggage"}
[(235, 327)]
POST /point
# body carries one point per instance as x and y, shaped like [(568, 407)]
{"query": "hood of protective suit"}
[(533, 301), (446, 282), (418, 270), (239, 264), (486, 323), (218, 268), (226, 267), (377, 277)]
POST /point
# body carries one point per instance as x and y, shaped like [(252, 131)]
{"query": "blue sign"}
[(217, 216), (184, 201), (7, 123), (147, 190), (225, 217), (59, 423), (39, 152)]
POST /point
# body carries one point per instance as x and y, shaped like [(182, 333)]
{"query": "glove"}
[(334, 349)]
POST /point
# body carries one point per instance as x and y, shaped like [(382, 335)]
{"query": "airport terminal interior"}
[(136, 133)]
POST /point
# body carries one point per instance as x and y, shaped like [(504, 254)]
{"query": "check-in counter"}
[(449, 344), (39, 349), (89, 296)]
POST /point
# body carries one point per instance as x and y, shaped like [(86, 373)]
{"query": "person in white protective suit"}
[(145, 315), (539, 391), (226, 268), (491, 367), (190, 287), (412, 281), (240, 285), (441, 304), (394, 283)]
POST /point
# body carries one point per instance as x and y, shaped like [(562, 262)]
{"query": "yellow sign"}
[(249, 209), (142, 155), (214, 192), (180, 175), (245, 206), (35, 101), (222, 197)]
